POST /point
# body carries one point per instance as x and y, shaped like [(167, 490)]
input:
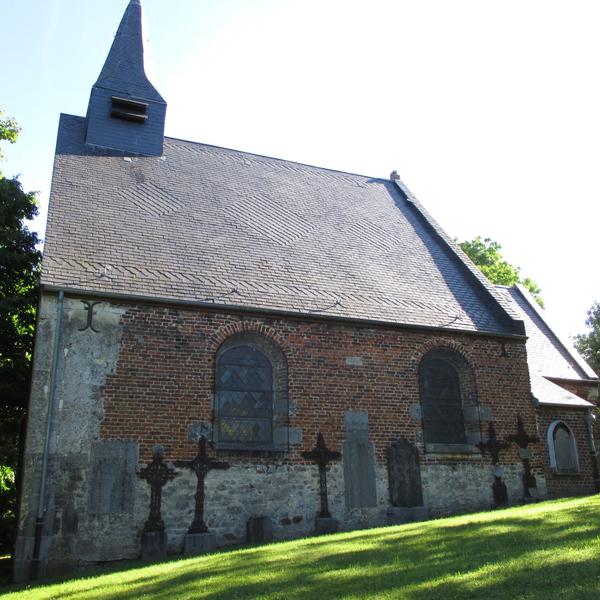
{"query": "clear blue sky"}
[(488, 110)]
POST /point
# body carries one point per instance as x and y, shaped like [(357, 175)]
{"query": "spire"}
[(124, 65), (126, 112)]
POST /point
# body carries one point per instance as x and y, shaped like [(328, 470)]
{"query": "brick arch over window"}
[(441, 344), (251, 394), (246, 326), (448, 399), (562, 448)]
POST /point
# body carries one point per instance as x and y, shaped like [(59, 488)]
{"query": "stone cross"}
[(322, 456), (200, 465), (522, 440), (157, 474), (494, 446)]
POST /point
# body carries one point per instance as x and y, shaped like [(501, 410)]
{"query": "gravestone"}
[(259, 530), (113, 471), (404, 474), (359, 462), (198, 539), (321, 455), (154, 538)]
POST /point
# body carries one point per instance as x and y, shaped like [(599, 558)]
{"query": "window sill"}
[(254, 451), (451, 449), (566, 473)]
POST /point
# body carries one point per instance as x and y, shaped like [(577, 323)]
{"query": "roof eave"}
[(584, 404), (214, 306), (593, 381)]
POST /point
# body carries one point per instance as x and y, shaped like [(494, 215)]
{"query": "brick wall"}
[(146, 375), (560, 485), (164, 380), (584, 389)]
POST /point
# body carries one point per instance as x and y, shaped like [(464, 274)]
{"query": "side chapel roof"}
[(547, 354)]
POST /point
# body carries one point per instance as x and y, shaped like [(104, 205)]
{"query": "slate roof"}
[(214, 225), (547, 393), (124, 65), (547, 354)]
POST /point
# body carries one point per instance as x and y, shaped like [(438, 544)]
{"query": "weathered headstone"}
[(404, 477), (259, 530), (154, 538), (113, 472), (198, 538), (359, 462), (321, 455), (404, 474)]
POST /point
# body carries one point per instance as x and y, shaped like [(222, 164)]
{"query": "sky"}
[(489, 110)]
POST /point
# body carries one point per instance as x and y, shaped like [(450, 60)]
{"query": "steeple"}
[(126, 112)]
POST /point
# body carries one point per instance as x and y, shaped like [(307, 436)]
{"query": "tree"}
[(588, 344), (9, 131), (19, 275), (487, 256)]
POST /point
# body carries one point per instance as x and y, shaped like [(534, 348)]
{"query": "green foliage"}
[(19, 275), (7, 507), (9, 131), (545, 551), (588, 344), (485, 253)]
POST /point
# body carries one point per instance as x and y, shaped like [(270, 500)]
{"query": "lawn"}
[(547, 550)]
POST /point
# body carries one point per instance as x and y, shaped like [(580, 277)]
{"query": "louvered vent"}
[(129, 110)]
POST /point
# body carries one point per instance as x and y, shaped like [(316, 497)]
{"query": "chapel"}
[(234, 348)]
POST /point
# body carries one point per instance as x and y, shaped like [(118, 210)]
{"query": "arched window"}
[(562, 448), (447, 386), (245, 396), (250, 394)]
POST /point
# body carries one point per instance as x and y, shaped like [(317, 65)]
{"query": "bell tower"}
[(126, 113)]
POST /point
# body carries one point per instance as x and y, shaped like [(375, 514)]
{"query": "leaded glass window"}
[(244, 397), (442, 405)]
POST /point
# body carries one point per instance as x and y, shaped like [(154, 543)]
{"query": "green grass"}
[(547, 550)]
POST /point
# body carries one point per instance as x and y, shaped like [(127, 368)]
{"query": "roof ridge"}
[(277, 159), (460, 256), (580, 362)]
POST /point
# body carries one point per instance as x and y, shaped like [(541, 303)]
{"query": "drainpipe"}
[(589, 421), (42, 501)]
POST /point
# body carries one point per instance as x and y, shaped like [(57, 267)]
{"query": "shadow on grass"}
[(502, 556), (517, 583)]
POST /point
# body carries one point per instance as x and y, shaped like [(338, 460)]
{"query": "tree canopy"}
[(485, 253), (9, 131), (19, 273), (588, 344)]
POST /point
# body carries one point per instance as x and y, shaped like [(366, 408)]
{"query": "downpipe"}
[(42, 501), (590, 419)]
